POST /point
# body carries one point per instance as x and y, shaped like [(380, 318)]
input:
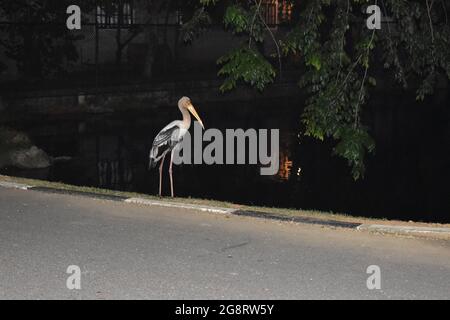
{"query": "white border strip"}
[(402, 229), (13, 185), (148, 202)]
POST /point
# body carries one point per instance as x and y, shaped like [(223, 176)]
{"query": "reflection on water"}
[(111, 151), (285, 166)]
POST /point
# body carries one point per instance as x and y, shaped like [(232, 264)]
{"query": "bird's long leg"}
[(160, 175), (170, 173)]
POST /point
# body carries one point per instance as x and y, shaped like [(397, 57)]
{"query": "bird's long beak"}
[(195, 114)]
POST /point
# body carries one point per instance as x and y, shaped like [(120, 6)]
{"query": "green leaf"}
[(247, 65), (315, 62)]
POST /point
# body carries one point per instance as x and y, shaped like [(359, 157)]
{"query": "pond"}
[(404, 177)]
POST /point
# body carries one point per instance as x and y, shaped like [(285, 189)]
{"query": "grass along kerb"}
[(285, 212)]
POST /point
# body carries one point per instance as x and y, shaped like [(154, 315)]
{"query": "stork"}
[(170, 137)]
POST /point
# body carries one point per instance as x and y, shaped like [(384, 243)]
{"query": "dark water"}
[(406, 179)]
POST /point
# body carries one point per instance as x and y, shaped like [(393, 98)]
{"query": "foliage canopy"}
[(339, 59)]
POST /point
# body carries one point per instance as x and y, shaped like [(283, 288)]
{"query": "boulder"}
[(16, 149), (31, 158)]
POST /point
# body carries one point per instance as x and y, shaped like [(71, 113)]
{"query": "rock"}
[(32, 158), (17, 150)]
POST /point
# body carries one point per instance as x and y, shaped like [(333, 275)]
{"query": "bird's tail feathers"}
[(151, 163), (153, 158)]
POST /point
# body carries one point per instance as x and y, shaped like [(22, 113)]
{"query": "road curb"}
[(13, 185), (246, 213), (406, 230), (149, 202), (402, 229), (297, 219), (79, 193)]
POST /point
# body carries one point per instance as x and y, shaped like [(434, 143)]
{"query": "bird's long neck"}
[(186, 118)]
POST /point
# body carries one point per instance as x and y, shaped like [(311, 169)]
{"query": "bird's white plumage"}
[(181, 129), (167, 140)]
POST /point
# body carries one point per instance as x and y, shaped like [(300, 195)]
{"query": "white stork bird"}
[(170, 137)]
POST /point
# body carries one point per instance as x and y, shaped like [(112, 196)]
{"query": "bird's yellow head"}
[(185, 103)]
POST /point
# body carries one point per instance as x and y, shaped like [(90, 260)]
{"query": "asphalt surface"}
[(127, 251)]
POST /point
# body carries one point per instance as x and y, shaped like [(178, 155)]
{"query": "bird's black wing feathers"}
[(164, 136), (162, 144)]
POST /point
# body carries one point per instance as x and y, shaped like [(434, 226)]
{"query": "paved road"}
[(130, 251)]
